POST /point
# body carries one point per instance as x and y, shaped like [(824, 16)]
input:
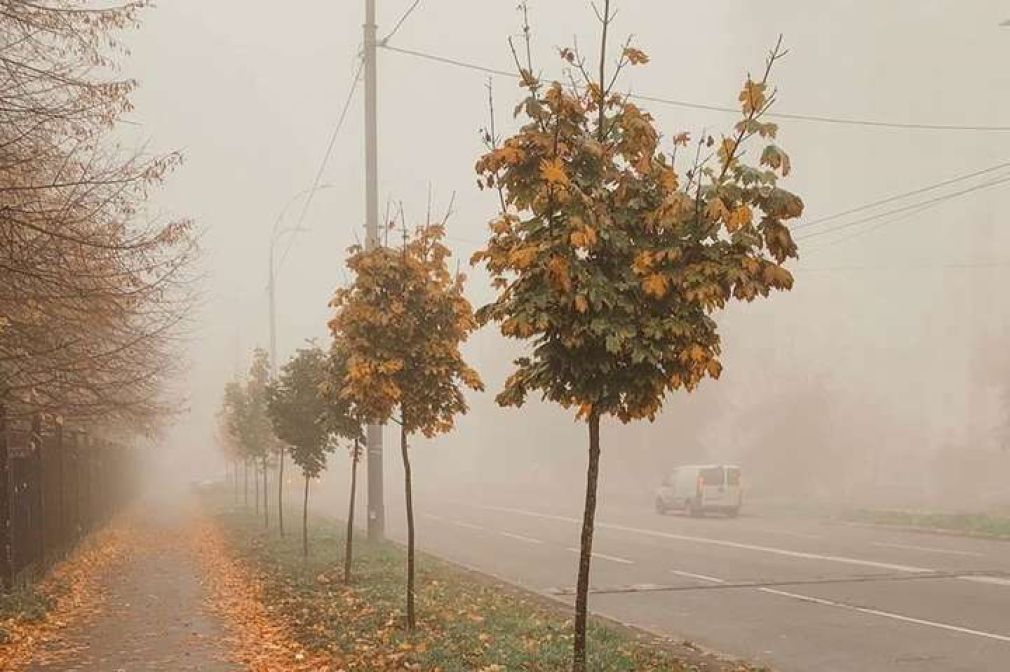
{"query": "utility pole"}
[(376, 507)]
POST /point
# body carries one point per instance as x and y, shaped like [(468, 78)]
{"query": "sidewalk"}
[(154, 615)]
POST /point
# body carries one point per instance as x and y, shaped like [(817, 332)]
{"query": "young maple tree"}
[(402, 322), (299, 416), (342, 422), (612, 261), (256, 431), (229, 437)]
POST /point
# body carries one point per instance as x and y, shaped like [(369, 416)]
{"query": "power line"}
[(326, 157), (399, 24), (450, 61), (913, 207), (916, 267), (902, 196), (873, 123), (885, 222)]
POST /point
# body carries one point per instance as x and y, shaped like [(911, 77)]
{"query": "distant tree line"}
[(94, 288)]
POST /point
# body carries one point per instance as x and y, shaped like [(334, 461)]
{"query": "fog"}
[(880, 379)]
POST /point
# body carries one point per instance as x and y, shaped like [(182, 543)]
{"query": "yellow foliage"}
[(656, 285), (739, 217), (584, 237), (716, 210), (554, 172), (636, 56), (752, 97), (523, 257), (643, 262), (558, 272)]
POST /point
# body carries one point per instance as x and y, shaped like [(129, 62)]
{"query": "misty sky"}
[(891, 337)]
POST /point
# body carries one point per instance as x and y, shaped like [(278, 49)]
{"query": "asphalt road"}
[(797, 594)]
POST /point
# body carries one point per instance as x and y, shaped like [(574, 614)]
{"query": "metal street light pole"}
[(275, 235)]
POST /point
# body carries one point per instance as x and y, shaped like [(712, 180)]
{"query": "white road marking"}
[(469, 526), (457, 523), (529, 540), (702, 577), (929, 549), (602, 556), (993, 580), (907, 569), (798, 535), (887, 614)]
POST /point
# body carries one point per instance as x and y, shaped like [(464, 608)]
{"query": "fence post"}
[(84, 469), (61, 502), (75, 471), (6, 567), (40, 499)]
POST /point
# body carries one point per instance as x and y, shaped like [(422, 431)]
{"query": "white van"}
[(698, 489)]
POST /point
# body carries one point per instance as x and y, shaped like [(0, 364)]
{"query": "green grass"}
[(25, 605), (466, 623), (973, 523)]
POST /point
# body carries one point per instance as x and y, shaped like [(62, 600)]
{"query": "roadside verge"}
[(468, 621)]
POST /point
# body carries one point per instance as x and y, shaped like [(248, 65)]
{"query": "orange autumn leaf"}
[(554, 172)]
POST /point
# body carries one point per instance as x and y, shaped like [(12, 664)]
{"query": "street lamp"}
[(275, 236)]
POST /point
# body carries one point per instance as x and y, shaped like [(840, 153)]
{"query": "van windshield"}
[(712, 476)]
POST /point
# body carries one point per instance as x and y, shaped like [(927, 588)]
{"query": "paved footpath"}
[(154, 617)]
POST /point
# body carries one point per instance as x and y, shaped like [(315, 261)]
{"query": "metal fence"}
[(56, 486)]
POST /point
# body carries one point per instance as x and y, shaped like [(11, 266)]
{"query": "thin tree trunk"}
[(586, 548), (256, 484), (305, 521), (266, 498), (280, 492), (245, 482), (411, 618), (349, 540)]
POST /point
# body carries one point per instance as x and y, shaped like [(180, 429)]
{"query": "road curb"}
[(694, 656)]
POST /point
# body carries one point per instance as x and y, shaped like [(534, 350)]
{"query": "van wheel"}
[(660, 506)]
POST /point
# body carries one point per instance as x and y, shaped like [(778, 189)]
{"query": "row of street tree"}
[(611, 253), (93, 289)]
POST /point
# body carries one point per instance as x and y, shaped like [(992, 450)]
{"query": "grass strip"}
[(466, 622), (972, 523)]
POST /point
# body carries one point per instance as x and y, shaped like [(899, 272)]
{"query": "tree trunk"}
[(411, 618), (280, 492), (245, 482), (305, 521), (349, 539), (586, 549), (234, 481), (256, 484), (266, 498)]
